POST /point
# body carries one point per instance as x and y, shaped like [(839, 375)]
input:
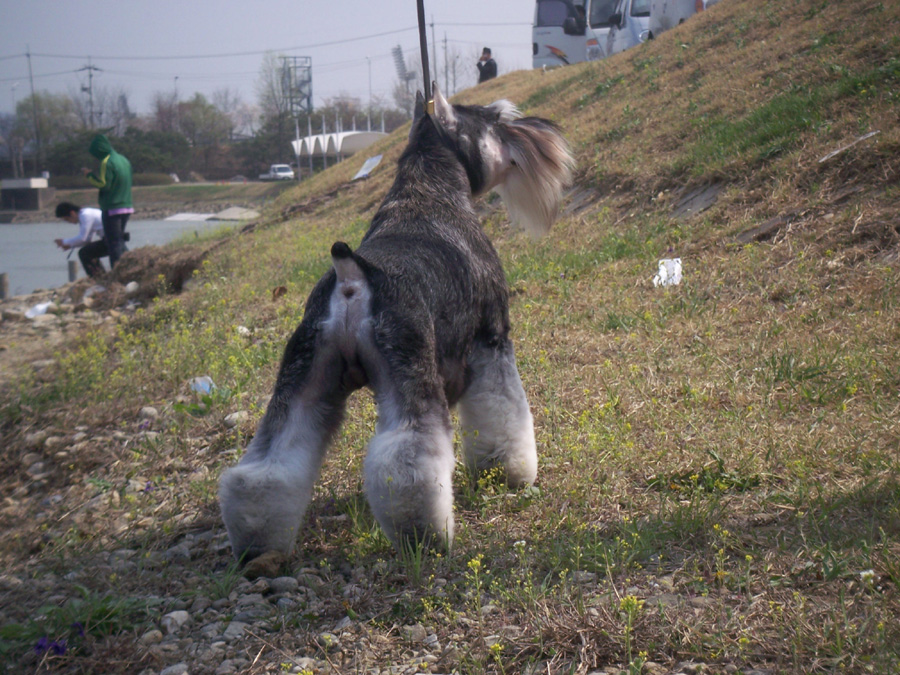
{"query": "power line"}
[(231, 54)]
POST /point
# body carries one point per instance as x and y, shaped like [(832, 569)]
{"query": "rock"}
[(580, 577), (36, 439), (227, 667), (173, 621), (235, 630), (54, 442), (30, 458), (13, 315), (236, 418), (415, 633), (9, 582), (45, 320), (37, 470), (664, 600), (131, 288), (243, 331), (152, 637), (180, 553), (284, 585), (177, 669), (148, 413), (266, 565)]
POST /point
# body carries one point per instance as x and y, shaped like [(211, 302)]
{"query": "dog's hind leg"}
[(495, 422), (264, 497), (409, 464)]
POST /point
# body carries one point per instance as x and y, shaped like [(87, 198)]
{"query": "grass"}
[(718, 460)]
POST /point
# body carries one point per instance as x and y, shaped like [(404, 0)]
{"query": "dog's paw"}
[(266, 565)]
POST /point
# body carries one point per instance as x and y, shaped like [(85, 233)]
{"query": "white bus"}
[(569, 31)]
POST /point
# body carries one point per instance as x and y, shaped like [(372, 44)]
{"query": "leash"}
[(423, 48)]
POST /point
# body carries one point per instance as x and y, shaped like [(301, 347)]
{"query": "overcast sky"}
[(142, 46)]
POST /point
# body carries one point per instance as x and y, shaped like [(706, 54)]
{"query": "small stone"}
[(45, 320), (13, 315), (236, 418), (37, 470), (235, 630), (148, 413), (131, 288), (36, 439), (30, 458), (266, 565), (180, 553), (227, 667), (415, 633), (580, 577), (243, 331), (177, 669), (54, 442), (284, 585), (9, 582), (173, 621), (152, 637)]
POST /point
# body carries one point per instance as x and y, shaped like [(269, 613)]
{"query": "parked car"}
[(569, 31), (278, 172), (666, 14), (629, 25)]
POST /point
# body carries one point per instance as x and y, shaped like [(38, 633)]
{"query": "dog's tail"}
[(541, 169)]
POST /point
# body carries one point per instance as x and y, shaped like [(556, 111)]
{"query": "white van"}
[(569, 31), (630, 25), (666, 14)]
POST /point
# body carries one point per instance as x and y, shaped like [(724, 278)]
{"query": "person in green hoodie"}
[(114, 180)]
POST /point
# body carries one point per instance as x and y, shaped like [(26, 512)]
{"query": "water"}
[(31, 259)]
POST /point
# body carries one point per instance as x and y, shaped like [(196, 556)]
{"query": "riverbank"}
[(161, 201)]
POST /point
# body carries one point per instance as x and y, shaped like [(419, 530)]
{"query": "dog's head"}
[(526, 159)]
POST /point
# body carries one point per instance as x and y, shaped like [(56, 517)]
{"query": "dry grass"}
[(719, 462)]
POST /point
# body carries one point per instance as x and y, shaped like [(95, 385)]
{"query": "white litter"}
[(669, 272), (203, 385), (94, 290), (38, 310)]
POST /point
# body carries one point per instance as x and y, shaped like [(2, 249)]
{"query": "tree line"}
[(195, 137)]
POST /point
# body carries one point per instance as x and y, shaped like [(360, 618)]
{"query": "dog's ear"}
[(506, 109), (537, 167), (443, 110), (418, 112)]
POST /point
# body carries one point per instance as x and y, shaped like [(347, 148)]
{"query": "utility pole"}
[(433, 51), (446, 72), (34, 108), (369, 111), (90, 88)]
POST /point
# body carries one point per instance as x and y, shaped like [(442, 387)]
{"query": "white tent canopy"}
[(341, 143)]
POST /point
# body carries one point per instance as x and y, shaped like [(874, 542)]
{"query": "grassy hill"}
[(718, 485)]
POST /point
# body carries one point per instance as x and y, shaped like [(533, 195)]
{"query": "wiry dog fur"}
[(419, 313)]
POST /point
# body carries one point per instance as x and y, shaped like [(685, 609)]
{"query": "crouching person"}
[(90, 223)]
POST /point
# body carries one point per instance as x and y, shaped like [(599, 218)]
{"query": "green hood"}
[(100, 146)]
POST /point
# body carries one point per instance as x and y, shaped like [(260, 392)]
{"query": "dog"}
[(419, 313)]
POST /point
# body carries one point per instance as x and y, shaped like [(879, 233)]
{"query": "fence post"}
[(73, 270), (4, 285)]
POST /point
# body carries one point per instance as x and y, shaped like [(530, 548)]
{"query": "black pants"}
[(90, 255), (114, 234)]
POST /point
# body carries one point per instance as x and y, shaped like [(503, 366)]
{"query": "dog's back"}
[(419, 313)]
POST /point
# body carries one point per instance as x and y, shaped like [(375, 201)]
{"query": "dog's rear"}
[(419, 312)]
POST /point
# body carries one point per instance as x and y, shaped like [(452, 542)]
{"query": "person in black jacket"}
[(487, 67)]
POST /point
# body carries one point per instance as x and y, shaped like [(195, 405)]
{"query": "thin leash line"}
[(423, 48)]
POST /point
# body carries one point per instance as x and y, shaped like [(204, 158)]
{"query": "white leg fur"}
[(495, 422), (263, 498), (409, 483)]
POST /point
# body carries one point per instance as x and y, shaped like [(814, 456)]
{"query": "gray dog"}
[(419, 313)]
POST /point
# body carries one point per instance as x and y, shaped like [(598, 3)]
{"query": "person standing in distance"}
[(487, 67), (114, 181)]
